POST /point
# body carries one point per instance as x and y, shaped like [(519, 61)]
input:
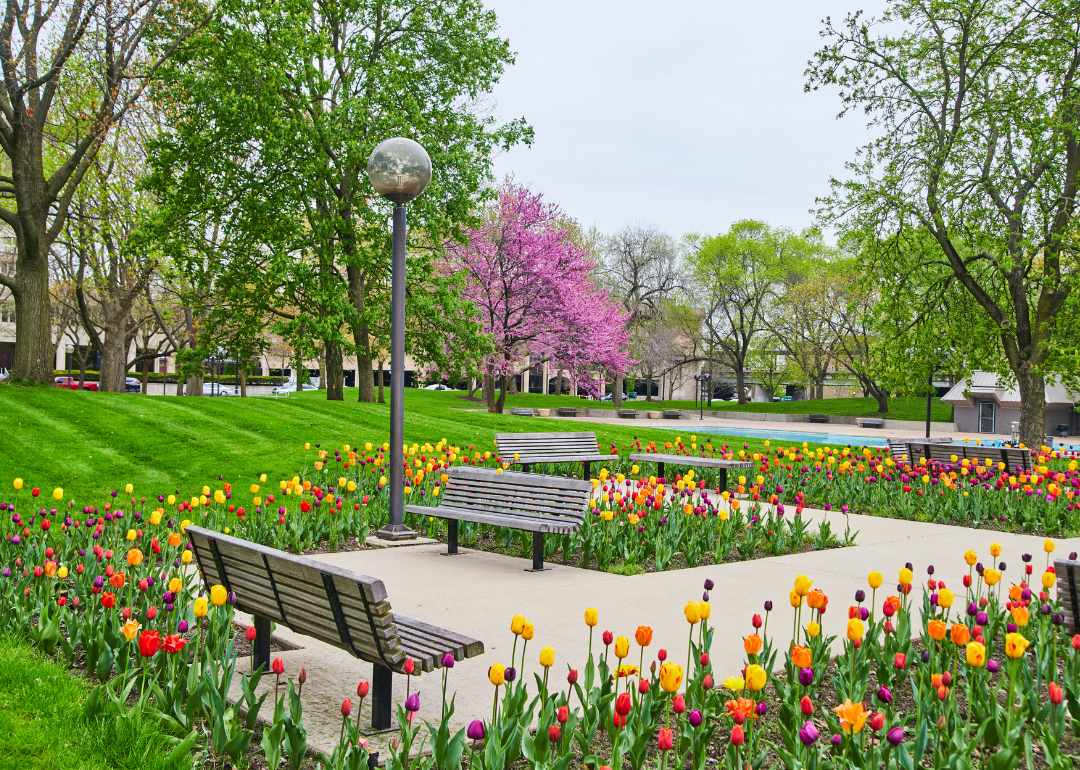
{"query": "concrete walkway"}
[(477, 594)]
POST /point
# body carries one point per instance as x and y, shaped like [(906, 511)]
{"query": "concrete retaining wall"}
[(643, 414)]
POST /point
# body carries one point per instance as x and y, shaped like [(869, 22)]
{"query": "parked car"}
[(437, 386), (290, 387), (72, 383), (4, 373), (215, 389), (132, 385)]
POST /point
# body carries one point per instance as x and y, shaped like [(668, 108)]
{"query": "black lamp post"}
[(704, 380), (399, 170), (69, 349), (164, 361)]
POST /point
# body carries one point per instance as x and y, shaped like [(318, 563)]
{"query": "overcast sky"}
[(688, 115)]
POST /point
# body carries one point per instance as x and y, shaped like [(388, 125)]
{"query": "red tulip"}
[(661, 655), (1057, 695), (706, 683), (877, 721), (737, 737), (665, 740), (362, 690), (149, 643), (678, 703), (618, 720), (900, 661), (151, 613), (572, 677), (643, 686), (553, 733), (278, 666), (623, 704), (410, 666), (346, 707), (608, 638), (806, 706), (563, 714), (704, 659), (108, 600), (173, 643), (126, 613), (250, 633)]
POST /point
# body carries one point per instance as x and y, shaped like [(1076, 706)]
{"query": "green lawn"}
[(900, 408), (42, 725), (89, 443)]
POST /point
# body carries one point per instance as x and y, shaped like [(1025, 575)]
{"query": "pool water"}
[(796, 436)]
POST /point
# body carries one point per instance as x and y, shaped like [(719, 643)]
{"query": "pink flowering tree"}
[(535, 296)]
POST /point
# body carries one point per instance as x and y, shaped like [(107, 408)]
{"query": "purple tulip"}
[(860, 596), (837, 739), (708, 584), (695, 718), (993, 666), (412, 703), (762, 708), (1010, 628), (982, 618), (864, 613), (895, 736), (448, 660), (806, 677), (475, 732), (510, 674), (768, 606), (884, 694), (99, 582), (809, 734), (169, 597), (182, 628)]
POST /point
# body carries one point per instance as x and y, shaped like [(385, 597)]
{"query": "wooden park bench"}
[(671, 414), (630, 414), (527, 449), (1068, 592), (531, 502), (523, 412), (870, 422), (898, 447), (695, 462), (818, 418), (568, 411), (341, 608), (1013, 457)]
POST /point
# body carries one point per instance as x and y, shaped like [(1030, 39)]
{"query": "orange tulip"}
[(1021, 616), (801, 657), (643, 636), (752, 644), (936, 630), (117, 580), (815, 600), (852, 717), (959, 634)]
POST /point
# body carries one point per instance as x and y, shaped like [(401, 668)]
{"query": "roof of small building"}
[(984, 385)]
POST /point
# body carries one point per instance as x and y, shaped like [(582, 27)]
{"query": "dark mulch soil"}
[(324, 546)]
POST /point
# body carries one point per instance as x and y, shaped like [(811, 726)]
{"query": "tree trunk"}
[(740, 382), (322, 369), (513, 385), (648, 385), (361, 335), (489, 392), (616, 398), (382, 377), (194, 385), (145, 374), (1032, 408), (113, 358), (35, 354), (331, 376), (500, 404), (559, 383), (243, 383)]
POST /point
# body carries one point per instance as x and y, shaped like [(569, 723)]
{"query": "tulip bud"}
[(678, 704), (661, 655), (346, 707), (475, 732), (250, 633), (707, 683), (562, 715), (704, 660), (806, 706), (877, 721), (665, 740), (993, 666), (303, 675), (608, 638), (572, 677), (553, 733), (895, 736), (643, 686), (737, 737), (1057, 695), (278, 666), (410, 666)]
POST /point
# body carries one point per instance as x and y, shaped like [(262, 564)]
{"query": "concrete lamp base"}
[(396, 532)]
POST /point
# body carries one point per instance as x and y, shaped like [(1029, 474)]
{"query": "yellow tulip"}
[(813, 630), (547, 657), (131, 534), (995, 550), (705, 610), (875, 579), (186, 558), (155, 518), (62, 573), (692, 612), (1048, 545), (1048, 579), (262, 478), (756, 677), (945, 598), (976, 654), (134, 557), (130, 629), (171, 499), (971, 557), (855, 629), (58, 493), (129, 489), (906, 576), (592, 617), (18, 483), (802, 585), (1015, 645), (527, 631), (200, 606), (622, 647), (671, 676), (497, 674), (795, 598), (176, 585), (991, 576), (218, 595), (734, 683)]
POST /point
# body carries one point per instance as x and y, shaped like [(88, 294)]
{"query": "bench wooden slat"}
[(525, 516), (547, 524), (702, 462), (512, 499), (469, 647)]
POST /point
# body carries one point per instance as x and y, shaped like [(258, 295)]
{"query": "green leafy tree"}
[(276, 112), (975, 103)]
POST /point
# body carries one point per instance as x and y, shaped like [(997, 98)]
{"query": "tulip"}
[(800, 656), (623, 704), (756, 677), (553, 733), (591, 617), (149, 643), (409, 667), (527, 631), (497, 674), (692, 611), (877, 721), (895, 736), (218, 595), (737, 736), (608, 638), (671, 676), (678, 704), (808, 734), (250, 633), (1057, 695), (806, 676), (475, 731), (346, 707), (665, 740), (516, 624), (1015, 644), (875, 579), (806, 706), (572, 677), (562, 715), (412, 703), (622, 647), (752, 644), (278, 666)]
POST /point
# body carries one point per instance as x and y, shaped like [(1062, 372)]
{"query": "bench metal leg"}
[(261, 645), (723, 479), (526, 467), (538, 553), (588, 470), (451, 536), (382, 697), (660, 471)]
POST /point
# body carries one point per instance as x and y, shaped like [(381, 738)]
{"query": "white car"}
[(290, 387), (437, 386), (215, 389)]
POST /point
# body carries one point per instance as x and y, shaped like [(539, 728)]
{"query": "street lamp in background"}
[(399, 170), (164, 361), (704, 380), (69, 349)]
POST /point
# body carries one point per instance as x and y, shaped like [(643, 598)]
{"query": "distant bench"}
[(531, 502), (1013, 457), (819, 418), (568, 411), (523, 412), (630, 414), (337, 606), (870, 422), (671, 414), (697, 462), (527, 449), (1068, 592)]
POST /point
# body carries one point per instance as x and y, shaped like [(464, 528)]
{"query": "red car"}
[(71, 383)]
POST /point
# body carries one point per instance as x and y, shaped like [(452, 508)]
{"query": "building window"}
[(7, 312)]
